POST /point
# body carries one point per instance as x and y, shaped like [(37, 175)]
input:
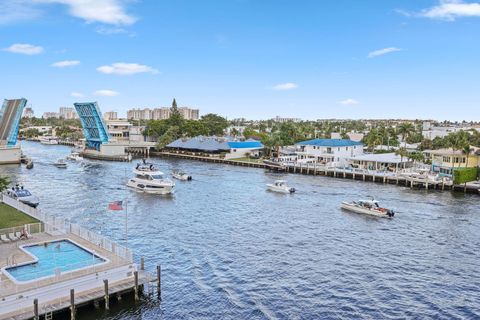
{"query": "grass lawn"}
[(10, 217), (248, 160)]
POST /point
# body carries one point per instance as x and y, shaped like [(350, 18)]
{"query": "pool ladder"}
[(48, 313)]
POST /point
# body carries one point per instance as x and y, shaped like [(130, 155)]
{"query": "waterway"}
[(229, 249)]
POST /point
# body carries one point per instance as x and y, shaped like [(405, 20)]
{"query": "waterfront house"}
[(445, 161), (380, 162), (331, 152), (228, 147)]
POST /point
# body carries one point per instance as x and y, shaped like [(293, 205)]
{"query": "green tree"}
[(402, 152), (4, 182), (215, 125), (172, 134)]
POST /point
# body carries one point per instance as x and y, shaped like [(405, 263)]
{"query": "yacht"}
[(180, 175), (75, 156), (60, 163), (22, 195), (48, 140), (280, 186), (149, 179), (369, 207)]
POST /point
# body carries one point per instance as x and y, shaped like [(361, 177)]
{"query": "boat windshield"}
[(23, 193), (156, 176)]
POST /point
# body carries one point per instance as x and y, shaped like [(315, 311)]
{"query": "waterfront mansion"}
[(330, 152)]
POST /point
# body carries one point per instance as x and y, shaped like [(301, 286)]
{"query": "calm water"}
[(231, 250)]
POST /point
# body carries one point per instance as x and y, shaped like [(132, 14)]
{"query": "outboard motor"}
[(390, 213), (189, 178), (292, 190)]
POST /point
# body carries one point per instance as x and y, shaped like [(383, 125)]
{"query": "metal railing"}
[(54, 225)]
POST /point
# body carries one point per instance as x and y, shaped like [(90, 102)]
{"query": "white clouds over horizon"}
[(65, 63), (285, 86), (123, 69), (106, 93), (381, 52), (24, 48), (349, 102)]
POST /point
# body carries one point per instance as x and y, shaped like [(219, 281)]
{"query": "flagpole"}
[(126, 222)]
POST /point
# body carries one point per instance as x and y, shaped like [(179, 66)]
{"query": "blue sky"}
[(247, 58)]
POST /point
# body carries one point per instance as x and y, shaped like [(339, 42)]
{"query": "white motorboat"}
[(369, 207), (48, 140), (75, 156), (60, 163), (280, 186), (22, 195), (149, 179), (180, 175)]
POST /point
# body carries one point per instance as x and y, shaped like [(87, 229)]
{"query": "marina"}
[(223, 228)]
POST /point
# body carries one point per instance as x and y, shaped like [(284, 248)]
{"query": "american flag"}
[(116, 205)]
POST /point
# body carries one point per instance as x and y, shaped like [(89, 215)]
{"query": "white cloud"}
[(17, 10), (349, 102), (106, 93), (383, 51), (103, 11), (285, 86), (122, 68), (65, 63), (24, 48), (452, 9), (77, 95)]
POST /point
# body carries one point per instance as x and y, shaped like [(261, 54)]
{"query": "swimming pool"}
[(51, 258)]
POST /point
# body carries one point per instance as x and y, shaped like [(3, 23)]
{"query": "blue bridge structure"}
[(94, 128), (10, 116)]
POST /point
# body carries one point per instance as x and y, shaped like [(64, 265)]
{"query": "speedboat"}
[(75, 156), (24, 196), (60, 163), (149, 179), (369, 207), (280, 186), (180, 175)]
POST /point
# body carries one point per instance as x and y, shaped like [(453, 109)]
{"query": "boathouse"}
[(227, 146)]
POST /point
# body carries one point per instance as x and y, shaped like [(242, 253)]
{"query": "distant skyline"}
[(253, 59)]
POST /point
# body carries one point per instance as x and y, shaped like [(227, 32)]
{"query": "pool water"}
[(62, 255)]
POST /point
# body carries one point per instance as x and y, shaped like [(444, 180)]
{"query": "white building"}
[(331, 152), (119, 130), (351, 135), (110, 115), (41, 129), (28, 113), (49, 115), (282, 120), (161, 113), (67, 113)]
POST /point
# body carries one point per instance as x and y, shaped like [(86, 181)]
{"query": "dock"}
[(46, 296), (384, 177)]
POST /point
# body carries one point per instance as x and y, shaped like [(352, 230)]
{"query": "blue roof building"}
[(330, 143)]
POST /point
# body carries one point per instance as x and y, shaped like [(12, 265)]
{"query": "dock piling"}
[(142, 263), (35, 309), (72, 304), (107, 296), (135, 275), (159, 281)]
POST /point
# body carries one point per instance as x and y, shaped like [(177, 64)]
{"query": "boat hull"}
[(280, 190), (142, 186), (375, 213)]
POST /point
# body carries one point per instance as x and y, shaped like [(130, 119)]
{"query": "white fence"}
[(54, 225)]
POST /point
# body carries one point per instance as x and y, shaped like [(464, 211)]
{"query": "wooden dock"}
[(354, 174)]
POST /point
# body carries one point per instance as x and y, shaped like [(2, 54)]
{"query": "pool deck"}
[(53, 293)]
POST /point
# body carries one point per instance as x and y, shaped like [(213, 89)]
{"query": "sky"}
[(255, 59)]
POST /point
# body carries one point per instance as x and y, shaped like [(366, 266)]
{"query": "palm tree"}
[(4, 182), (457, 141), (406, 130), (466, 151), (402, 152)]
